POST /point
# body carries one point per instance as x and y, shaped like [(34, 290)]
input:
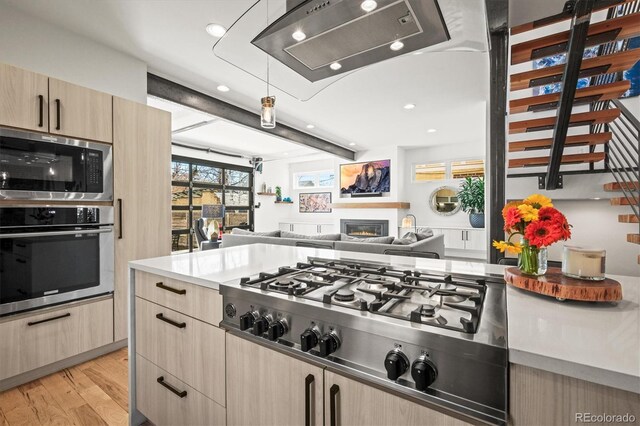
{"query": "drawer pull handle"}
[(40, 111), (333, 402), (57, 114), (181, 394), (171, 289), (49, 319), (173, 323)]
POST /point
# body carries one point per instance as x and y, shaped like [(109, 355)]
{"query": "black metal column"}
[(577, 38)]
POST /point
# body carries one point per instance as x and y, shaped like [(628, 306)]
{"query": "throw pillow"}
[(424, 233), (321, 237), (239, 231), (408, 238), (371, 240)]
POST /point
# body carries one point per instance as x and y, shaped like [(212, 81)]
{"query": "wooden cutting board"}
[(555, 284)]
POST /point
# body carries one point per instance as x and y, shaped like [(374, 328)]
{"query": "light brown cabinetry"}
[(539, 397), (79, 112), (352, 403), (142, 158), (265, 387), (23, 99), (32, 340), (166, 400)]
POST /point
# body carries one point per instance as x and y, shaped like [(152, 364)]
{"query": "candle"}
[(583, 263)]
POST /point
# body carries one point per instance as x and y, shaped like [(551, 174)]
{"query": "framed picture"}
[(372, 177), (315, 202)]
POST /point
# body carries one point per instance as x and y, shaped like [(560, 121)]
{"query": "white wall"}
[(36, 45)]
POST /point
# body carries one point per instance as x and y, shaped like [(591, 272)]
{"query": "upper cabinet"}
[(23, 99), (78, 112), (32, 101)]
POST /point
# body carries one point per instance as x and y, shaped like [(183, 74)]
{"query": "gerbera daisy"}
[(542, 234), (528, 212), (512, 218), (507, 206), (538, 201), (508, 246)]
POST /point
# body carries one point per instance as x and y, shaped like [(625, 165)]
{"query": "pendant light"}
[(268, 111)]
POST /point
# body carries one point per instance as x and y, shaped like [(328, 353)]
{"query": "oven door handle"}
[(56, 233)]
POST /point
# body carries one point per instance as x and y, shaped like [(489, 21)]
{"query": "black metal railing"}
[(624, 154)]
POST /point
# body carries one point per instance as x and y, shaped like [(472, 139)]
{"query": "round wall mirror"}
[(444, 201)]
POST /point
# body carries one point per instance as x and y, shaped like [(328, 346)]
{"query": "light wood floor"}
[(93, 393)]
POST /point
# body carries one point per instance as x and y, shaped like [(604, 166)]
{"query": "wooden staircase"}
[(633, 188), (538, 113)]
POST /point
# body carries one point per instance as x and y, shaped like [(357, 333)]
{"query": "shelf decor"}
[(539, 225)]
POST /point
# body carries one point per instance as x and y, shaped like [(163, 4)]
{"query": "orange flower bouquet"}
[(539, 224)]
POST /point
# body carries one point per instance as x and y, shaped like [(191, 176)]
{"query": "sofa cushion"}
[(370, 240), (320, 237), (424, 233), (408, 238), (240, 231)]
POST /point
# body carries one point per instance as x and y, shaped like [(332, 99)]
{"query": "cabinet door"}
[(142, 163), (79, 112), (285, 226), (265, 387), (351, 403), (23, 99), (453, 238), (476, 239), (326, 229), (305, 228)]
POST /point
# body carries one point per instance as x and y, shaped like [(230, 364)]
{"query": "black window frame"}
[(223, 187)]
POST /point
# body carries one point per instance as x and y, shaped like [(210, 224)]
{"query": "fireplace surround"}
[(364, 227)]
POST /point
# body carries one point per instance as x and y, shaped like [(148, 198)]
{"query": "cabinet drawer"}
[(199, 302), (163, 404), (185, 347), (31, 341)]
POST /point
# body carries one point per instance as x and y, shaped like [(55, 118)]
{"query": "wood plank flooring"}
[(93, 393)]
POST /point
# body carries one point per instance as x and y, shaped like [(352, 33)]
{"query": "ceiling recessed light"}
[(409, 106), (352, 144), (396, 45), (298, 35), (216, 30), (335, 66), (368, 5), (310, 126), (223, 88), (431, 130)]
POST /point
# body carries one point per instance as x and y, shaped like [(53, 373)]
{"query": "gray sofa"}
[(433, 244)]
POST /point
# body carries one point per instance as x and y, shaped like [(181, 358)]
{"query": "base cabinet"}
[(265, 387), (351, 403)]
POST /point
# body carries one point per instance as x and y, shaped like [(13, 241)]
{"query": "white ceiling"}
[(448, 82)]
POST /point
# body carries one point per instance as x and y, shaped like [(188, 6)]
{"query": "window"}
[(433, 171), (469, 168), (310, 180), (195, 183)]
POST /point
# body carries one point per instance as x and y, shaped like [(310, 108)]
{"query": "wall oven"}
[(44, 167), (50, 255)]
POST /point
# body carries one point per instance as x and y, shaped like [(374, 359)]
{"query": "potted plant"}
[(278, 193), (471, 198)]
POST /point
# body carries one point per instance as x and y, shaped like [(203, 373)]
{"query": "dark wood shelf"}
[(273, 194), (283, 202)]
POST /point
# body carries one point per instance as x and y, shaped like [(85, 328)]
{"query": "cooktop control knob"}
[(309, 339), (424, 372), (247, 320), (261, 325), (329, 343), (396, 363), (277, 329)]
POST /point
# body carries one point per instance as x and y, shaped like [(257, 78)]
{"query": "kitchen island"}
[(551, 345)]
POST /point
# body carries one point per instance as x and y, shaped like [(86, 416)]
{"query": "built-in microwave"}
[(54, 254), (43, 167)]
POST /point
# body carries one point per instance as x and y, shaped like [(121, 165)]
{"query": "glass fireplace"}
[(364, 227)]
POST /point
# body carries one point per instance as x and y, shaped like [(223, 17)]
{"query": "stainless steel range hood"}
[(340, 31)]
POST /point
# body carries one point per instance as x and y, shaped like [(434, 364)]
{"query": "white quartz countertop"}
[(597, 342)]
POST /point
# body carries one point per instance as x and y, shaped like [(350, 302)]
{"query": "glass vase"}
[(532, 260)]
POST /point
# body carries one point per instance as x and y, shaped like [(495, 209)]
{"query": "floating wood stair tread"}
[(592, 157), (539, 23), (586, 95), (575, 140), (617, 186), (623, 201), (633, 238), (627, 218), (615, 62), (580, 119), (600, 32)]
